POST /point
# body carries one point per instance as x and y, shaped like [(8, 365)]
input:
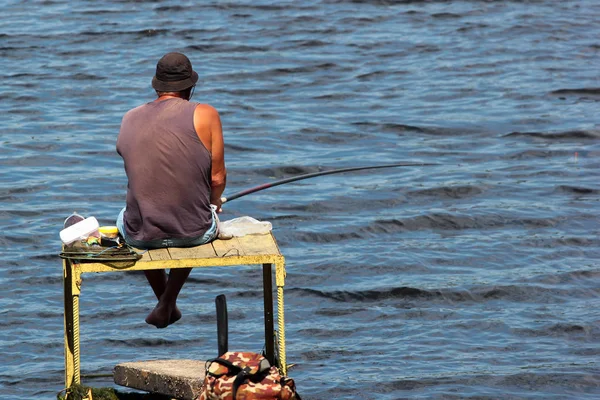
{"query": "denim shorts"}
[(210, 235)]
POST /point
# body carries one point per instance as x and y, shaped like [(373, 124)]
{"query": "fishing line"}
[(315, 174)]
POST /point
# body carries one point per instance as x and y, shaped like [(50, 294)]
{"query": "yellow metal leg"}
[(72, 288), (280, 282), (281, 331), (76, 357), (68, 320)]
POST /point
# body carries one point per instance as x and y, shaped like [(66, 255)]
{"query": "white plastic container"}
[(79, 231)]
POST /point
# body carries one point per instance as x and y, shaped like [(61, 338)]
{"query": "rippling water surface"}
[(474, 278)]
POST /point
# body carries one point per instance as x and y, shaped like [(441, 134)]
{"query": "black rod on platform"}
[(315, 174), (222, 325), (268, 300)]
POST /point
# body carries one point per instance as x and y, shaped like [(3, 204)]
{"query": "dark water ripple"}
[(476, 277)]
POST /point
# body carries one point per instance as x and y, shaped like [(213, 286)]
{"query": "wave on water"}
[(578, 189), (478, 295), (561, 329), (575, 134), (151, 342), (402, 129), (450, 192), (493, 384), (594, 92), (436, 221)]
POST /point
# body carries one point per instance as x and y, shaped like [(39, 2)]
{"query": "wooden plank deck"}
[(246, 250)]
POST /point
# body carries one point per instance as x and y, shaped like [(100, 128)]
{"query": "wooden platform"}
[(250, 250), (247, 250)]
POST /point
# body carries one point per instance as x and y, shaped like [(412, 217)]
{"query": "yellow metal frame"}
[(247, 250)]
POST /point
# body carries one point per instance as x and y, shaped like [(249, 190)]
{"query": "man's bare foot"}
[(175, 316), (159, 317), (163, 315)]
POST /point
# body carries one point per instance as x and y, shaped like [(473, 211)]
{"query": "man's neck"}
[(169, 96)]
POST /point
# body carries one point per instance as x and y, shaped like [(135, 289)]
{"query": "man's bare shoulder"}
[(206, 111)]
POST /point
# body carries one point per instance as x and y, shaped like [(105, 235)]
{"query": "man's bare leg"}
[(157, 278), (166, 311), (158, 281)]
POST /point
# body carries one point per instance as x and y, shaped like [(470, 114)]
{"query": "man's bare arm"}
[(208, 127)]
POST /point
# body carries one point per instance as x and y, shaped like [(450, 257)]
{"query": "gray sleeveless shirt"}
[(168, 170)]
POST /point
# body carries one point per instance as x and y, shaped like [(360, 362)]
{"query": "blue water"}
[(474, 278)]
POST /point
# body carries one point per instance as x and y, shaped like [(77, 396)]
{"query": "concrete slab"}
[(179, 379)]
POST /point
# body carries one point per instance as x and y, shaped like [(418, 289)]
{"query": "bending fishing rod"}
[(312, 175)]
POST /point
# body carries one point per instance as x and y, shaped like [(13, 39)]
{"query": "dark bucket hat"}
[(174, 73)]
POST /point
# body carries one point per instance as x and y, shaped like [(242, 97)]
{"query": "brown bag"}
[(245, 376)]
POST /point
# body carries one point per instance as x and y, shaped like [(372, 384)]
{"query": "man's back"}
[(169, 172)]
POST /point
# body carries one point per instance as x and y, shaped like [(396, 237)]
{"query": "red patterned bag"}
[(245, 376)]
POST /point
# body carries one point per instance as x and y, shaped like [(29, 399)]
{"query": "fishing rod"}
[(312, 175)]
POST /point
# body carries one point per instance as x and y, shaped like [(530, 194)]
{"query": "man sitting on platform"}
[(173, 154)]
